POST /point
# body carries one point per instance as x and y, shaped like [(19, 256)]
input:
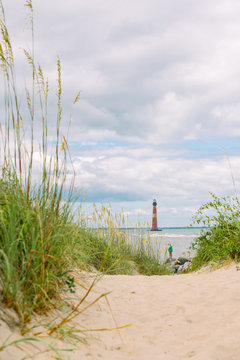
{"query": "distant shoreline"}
[(160, 228)]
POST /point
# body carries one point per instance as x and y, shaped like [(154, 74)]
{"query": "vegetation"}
[(40, 239), (123, 251), (221, 240), (93, 248)]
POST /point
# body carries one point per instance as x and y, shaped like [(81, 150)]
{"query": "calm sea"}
[(157, 242)]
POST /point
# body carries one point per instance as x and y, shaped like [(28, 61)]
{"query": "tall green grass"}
[(221, 240), (34, 221), (135, 249), (40, 239)]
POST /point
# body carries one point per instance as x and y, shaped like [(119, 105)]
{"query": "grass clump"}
[(124, 251), (107, 249), (221, 240), (34, 220), (40, 239), (32, 241)]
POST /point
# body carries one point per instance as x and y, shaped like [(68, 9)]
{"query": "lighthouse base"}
[(156, 230)]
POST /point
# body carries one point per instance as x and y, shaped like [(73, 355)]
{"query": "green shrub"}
[(33, 240), (221, 240)]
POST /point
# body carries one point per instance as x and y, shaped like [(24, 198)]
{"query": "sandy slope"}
[(193, 316)]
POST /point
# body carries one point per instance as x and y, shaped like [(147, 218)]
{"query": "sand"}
[(192, 316)]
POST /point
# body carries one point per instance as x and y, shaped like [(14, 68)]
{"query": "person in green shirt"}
[(170, 251)]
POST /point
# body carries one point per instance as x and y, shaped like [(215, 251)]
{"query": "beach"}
[(190, 316)]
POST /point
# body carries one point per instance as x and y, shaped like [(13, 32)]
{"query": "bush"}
[(221, 240)]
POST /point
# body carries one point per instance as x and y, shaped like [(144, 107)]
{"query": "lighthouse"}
[(154, 216)]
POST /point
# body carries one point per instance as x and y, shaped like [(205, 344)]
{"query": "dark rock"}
[(176, 267), (185, 267), (181, 260), (179, 265)]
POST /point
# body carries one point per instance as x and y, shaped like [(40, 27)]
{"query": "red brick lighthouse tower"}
[(154, 216)]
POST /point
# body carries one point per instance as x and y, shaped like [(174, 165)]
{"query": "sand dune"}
[(192, 316)]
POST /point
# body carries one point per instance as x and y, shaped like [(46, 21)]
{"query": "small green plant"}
[(221, 239), (70, 282)]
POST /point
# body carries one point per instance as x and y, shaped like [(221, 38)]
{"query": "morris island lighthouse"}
[(154, 217)]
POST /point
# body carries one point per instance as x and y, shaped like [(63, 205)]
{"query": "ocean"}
[(156, 242)]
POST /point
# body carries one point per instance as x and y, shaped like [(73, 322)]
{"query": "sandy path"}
[(193, 316)]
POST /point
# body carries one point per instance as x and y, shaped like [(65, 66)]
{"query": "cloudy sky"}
[(159, 114)]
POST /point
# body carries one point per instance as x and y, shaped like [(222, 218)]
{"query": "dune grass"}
[(41, 241), (124, 251), (34, 221), (221, 240)]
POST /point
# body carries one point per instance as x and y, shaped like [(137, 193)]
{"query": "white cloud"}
[(153, 74), (173, 180), (143, 65)]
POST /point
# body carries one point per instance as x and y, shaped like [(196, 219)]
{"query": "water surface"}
[(156, 242)]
